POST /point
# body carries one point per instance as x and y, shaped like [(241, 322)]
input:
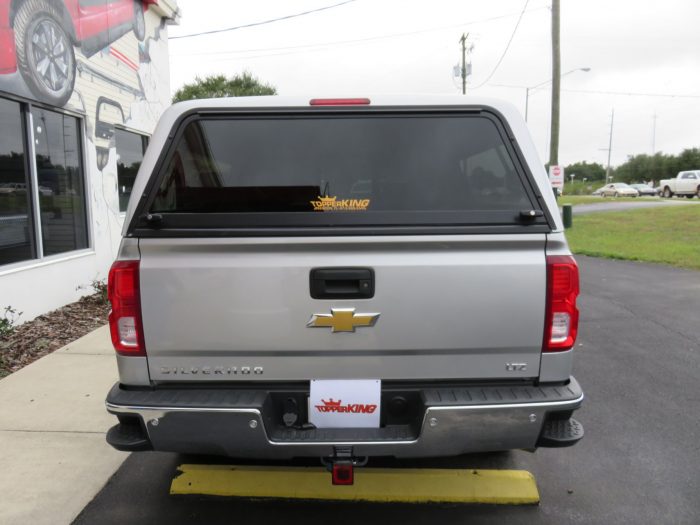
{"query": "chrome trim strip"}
[(138, 409), (511, 405)]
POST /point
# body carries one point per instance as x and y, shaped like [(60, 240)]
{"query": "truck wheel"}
[(667, 192), (139, 21), (45, 55), (690, 196)]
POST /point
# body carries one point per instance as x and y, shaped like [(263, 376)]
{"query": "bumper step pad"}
[(128, 437), (560, 433)]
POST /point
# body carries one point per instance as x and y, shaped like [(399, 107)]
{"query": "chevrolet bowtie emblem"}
[(342, 320)]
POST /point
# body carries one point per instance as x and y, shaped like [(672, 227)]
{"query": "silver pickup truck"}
[(342, 279)]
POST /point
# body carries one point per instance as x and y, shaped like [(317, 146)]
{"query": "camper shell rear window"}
[(351, 170)]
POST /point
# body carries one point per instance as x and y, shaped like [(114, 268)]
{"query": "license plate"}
[(345, 403)]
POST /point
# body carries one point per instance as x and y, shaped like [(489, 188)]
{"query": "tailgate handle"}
[(342, 283)]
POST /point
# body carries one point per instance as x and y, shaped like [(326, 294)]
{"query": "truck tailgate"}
[(452, 306)]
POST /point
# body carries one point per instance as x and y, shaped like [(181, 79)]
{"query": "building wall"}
[(121, 80)]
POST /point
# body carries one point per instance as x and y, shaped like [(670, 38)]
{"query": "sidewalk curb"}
[(52, 424)]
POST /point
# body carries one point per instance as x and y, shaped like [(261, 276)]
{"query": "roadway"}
[(624, 205)]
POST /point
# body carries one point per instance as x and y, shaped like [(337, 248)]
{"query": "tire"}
[(690, 196), (616, 195), (37, 26), (139, 25), (667, 193), (698, 192)]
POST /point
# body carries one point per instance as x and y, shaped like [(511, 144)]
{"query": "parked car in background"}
[(686, 183), (645, 190), (618, 189), (20, 188), (9, 188)]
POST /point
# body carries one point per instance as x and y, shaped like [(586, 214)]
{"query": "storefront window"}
[(15, 194), (130, 150), (60, 182)]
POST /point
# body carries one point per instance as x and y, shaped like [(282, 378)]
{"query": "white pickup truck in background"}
[(686, 183)]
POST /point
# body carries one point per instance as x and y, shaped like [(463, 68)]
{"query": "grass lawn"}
[(662, 235)]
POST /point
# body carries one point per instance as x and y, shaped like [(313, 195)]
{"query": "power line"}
[(630, 93), (608, 92), (357, 40), (263, 22), (505, 51)]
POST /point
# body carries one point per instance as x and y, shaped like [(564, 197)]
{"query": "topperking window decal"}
[(328, 203)]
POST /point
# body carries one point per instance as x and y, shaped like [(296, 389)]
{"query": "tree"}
[(218, 86), (658, 166), (644, 167), (591, 171)]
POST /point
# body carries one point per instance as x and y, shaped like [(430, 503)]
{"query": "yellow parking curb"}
[(505, 487)]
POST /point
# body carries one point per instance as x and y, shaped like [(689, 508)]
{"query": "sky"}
[(364, 47)]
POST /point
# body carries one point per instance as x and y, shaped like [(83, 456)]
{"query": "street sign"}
[(556, 176)]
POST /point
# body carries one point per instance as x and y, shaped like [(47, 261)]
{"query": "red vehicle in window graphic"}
[(37, 38)]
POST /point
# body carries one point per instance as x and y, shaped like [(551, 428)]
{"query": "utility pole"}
[(607, 171), (556, 85), (463, 40), (653, 135)]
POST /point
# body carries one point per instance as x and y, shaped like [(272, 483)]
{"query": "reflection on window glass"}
[(130, 150), (61, 188), (416, 167), (15, 215)]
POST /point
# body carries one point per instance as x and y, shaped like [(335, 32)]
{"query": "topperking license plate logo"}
[(345, 403)]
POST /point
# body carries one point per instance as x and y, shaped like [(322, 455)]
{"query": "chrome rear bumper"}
[(237, 424)]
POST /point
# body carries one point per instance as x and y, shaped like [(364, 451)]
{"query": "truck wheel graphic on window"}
[(45, 54)]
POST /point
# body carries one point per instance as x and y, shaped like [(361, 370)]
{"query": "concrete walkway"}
[(52, 433)]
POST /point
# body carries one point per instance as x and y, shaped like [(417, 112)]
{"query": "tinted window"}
[(60, 176), (15, 194), (130, 150), (370, 169)]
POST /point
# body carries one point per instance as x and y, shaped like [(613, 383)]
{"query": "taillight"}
[(125, 318), (339, 102), (561, 317)]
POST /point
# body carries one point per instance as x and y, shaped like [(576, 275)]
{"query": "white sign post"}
[(556, 178)]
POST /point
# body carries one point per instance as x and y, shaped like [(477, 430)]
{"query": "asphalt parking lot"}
[(639, 363)]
